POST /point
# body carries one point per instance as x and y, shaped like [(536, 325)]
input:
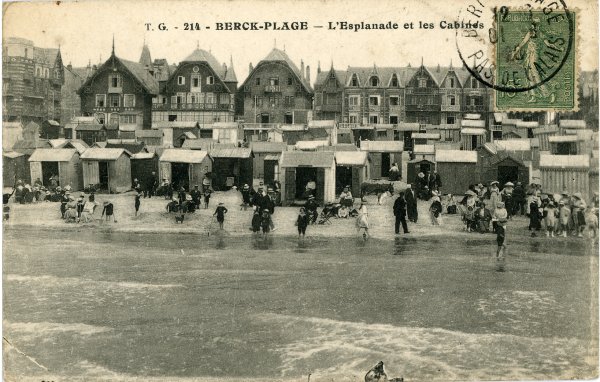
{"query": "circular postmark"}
[(516, 47)]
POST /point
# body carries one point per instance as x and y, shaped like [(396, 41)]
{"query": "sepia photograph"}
[(300, 190)]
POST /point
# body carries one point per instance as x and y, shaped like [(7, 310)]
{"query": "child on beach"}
[(302, 223), (362, 221), (206, 197), (564, 214), (220, 212), (550, 214), (265, 221), (108, 210), (137, 202), (501, 238), (256, 221)]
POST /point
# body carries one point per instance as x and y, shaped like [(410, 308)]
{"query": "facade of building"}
[(70, 100), (199, 90), (119, 94), (276, 92), (32, 81)]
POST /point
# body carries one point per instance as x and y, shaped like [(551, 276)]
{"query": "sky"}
[(85, 30)]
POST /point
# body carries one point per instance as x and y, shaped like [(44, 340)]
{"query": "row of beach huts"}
[(559, 157)]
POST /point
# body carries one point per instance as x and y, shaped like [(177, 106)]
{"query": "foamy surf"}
[(61, 281), (330, 347)]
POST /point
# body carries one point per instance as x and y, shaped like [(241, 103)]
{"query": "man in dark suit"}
[(411, 204), (400, 213)]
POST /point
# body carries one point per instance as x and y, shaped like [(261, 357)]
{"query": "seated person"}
[(343, 211), (311, 209), (451, 205), (310, 189), (483, 217), (173, 206), (346, 198)]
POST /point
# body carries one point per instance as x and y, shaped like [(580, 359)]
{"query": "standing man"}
[(196, 196), (400, 213), (411, 204)]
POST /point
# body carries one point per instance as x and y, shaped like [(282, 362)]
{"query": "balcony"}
[(474, 108), (374, 107), (451, 108), (422, 107), (260, 126), (346, 125), (272, 89), (334, 108), (115, 90), (192, 106)]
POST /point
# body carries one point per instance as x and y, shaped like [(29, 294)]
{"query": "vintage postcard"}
[(315, 190)]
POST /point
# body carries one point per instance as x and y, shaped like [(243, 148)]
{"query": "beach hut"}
[(564, 144), (569, 173), (472, 133), (405, 131), (381, 155), (457, 169), (423, 161), (350, 170), (232, 166), (108, 169), (567, 125), (300, 167), (311, 145), (143, 164), (262, 150), (329, 126), (543, 133), (149, 137), (65, 163), (15, 166), (185, 168), (425, 138)]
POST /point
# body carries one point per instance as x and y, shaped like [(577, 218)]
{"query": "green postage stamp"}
[(535, 56)]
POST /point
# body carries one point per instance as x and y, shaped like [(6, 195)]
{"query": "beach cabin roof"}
[(424, 149), (425, 136), (513, 144), (564, 161), (563, 138), (52, 155), (307, 159), (310, 145), (234, 152), (351, 158), (472, 131), (456, 156), (268, 147), (472, 123), (382, 146), (571, 124), (183, 156), (103, 154)]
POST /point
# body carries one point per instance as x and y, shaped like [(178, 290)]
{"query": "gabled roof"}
[(90, 127), (548, 129), (234, 152), (472, 123), (52, 155), (425, 136), (94, 153), (340, 147), (201, 55), (382, 146), (76, 144), (322, 77), (404, 74), (351, 158), (564, 161), (133, 148), (277, 55), (456, 156), (143, 155), (183, 156), (268, 147), (137, 70), (307, 159), (310, 145), (145, 58), (472, 131)]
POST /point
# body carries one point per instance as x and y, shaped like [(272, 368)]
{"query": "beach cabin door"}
[(290, 184), (165, 170), (36, 170), (92, 173)]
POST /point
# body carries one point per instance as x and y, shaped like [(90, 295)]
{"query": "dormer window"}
[(374, 81), (114, 80), (354, 80), (422, 82), (394, 81), (257, 81), (180, 80), (210, 80)]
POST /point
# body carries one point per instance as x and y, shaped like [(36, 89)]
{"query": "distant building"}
[(199, 90), (119, 95), (32, 81), (71, 102), (276, 91)]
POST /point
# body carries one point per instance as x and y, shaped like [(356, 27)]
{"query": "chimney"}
[(319, 68), (308, 73), (250, 68), (302, 68), (70, 67)]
